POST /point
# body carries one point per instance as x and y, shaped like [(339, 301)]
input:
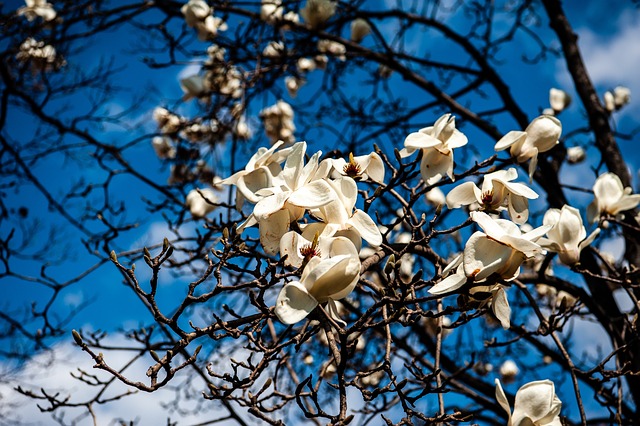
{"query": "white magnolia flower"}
[(541, 135), (559, 99), (271, 11), (278, 122), (611, 198), (293, 84), (509, 370), (498, 192), (242, 129), (306, 65), (567, 237), (43, 56), (195, 11), (615, 100), (437, 144), (296, 188), (323, 280), (332, 48), (163, 147), (290, 17), (321, 61), (435, 197), (167, 121), (209, 28), (363, 167), (200, 202), (576, 154), (536, 404), (193, 87), (340, 214), (258, 174), (359, 30), (316, 12), (35, 8), (300, 248), (275, 49)]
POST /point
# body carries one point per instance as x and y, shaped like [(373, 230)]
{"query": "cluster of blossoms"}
[(617, 98), (326, 251), (37, 8), (199, 15), (278, 122), (41, 56)]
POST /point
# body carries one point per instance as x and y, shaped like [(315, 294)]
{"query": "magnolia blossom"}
[(437, 144), (274, 49), (195, 11), (611, 198), (43, 57), (296, 188), (325, 278), (163, 147), (193, 87), (541, 135), (290, 17), (509, 370), (167, 121), (498, 192), (340, 216), (278, 122), (321, 61), (258, 173), (363, 167), (536, 404), (210, 27), (316, 12), (359, 30), (615, 100), (306, 65), (35, 8), (293, 84), (559, 100), (333, 48), (271, 11), (576, 154), (567, 237), (435, 197), (242, 129), (201, 202)]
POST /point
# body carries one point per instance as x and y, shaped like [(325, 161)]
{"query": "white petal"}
[(510, 139), (419, 140), (272, 229), (312, 195), (543, 132), (463, 195), (332, 277), (484, 256), (290, 245), (501, 309), (451, 283), (366, 227), (502, 398), (536, 401), (294, 303), (375, 169), (269, 205), (436, 165), (518, 208)]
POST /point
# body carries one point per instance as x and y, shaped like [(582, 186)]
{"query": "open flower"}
[(35, 8), (258, 174), (437, 143), (339, 214), (278, 122), (500, 249), (611, 198), (201, 202), (296, 188), (567, 236), (363, 167), (326, 278), (497, 193), (541, 135), (316, 12), (536, 404), (195, 11)]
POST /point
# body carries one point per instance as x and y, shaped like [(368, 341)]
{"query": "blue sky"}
[(608, 37)]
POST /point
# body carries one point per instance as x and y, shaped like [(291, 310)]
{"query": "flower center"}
[(487, 197), (352, 169)]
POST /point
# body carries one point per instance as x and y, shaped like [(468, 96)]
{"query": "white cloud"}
[(611, 61)]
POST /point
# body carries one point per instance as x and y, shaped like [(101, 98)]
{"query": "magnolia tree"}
[(336, 213)]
